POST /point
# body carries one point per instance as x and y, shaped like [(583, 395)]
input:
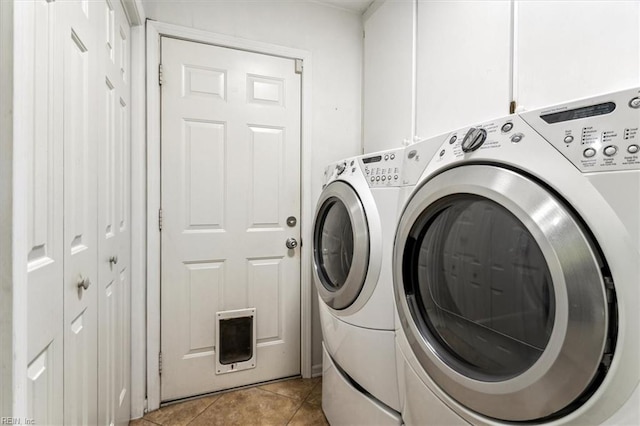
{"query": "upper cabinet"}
[(388, 73), (473, 58), (566, 50), (463, 64)]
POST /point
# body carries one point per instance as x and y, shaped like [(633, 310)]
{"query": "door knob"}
[(83, 282), (113, 260), (291, 243)]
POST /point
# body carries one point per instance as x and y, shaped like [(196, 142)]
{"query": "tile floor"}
[(289, 402)]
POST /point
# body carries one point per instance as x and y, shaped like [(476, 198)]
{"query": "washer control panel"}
[(383, 169), (597, 134), (478, 140)]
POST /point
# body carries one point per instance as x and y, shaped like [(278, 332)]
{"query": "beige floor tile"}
[(297, 389), (182, 413), (141, 422), (309, 415), (315, 397), (252, 406)]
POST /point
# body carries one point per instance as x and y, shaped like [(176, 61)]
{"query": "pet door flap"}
[(235, 340)]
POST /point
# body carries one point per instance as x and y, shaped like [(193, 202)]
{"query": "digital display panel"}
[(582, 112), (372, 159)]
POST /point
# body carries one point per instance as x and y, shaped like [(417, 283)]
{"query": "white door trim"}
[(154, 31)]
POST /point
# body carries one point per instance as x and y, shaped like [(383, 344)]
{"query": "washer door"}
[(500, 293), (340, 245)]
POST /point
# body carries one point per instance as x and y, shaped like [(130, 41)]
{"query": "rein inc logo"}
[(16, 421)]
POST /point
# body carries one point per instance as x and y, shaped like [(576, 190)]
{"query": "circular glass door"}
[(481, 286), (341, 246), (500, 293)]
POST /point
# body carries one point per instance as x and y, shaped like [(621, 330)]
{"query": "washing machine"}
[(354, 229), (516, 271)]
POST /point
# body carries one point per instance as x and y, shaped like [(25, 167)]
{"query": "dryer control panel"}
[(383, 169), (596, 134)]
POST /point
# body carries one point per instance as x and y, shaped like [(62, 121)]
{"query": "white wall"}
[(6, 185), (388, 75), (334, 38)]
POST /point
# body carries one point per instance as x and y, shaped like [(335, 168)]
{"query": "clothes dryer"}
[(353, 241), (516, 265)]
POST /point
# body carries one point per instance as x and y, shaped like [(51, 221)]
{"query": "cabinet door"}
[(463, 64), (388, 72), (574, 49)]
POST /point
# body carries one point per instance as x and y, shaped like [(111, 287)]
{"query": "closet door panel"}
[(42, 131)]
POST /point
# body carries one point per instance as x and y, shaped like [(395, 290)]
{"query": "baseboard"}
[(316, 370)]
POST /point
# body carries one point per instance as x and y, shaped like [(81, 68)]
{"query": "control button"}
[(589, 152), (610, 150), (384, 178), (366, 171), (568, 139), (389, 177), (506, 127), (453, 139), (633, 149), (517, 137), (392, 156), (377, 178), (395, 177), (386, 157), (372, 178), (635, 102), (442, 152), (474, 139), (412, 154)]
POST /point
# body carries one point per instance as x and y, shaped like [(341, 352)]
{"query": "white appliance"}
[(354, 229), (516, 271)]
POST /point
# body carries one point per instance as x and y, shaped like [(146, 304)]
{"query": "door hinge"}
[(512, 107), (160, 80), (160, 364), (299, 66), (160, 219)]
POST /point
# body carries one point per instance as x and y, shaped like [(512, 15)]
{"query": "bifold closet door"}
[(114, 235), (77, 49), (77, 131)]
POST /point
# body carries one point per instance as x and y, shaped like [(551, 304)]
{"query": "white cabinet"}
[(73, 81), (388, 74), (472, 58), (463, 64), (567, 50)]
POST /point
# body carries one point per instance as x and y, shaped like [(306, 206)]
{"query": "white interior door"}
[(230, 179), (114, 234), (78, 50)]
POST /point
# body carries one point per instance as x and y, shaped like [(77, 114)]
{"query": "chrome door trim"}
[(348, 293), (577, 342)]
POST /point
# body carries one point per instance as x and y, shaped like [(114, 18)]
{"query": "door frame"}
[(155, 30)]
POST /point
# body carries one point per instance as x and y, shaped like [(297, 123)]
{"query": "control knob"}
[(340, 168), (473, 139)]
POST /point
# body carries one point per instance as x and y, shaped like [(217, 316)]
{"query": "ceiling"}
[(358, 6)]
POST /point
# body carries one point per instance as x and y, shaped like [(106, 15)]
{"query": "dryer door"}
[(500, 293), (340, 245)]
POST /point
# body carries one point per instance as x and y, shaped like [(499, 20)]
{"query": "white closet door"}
[(114, 233), (77, 51), (43, 131)]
